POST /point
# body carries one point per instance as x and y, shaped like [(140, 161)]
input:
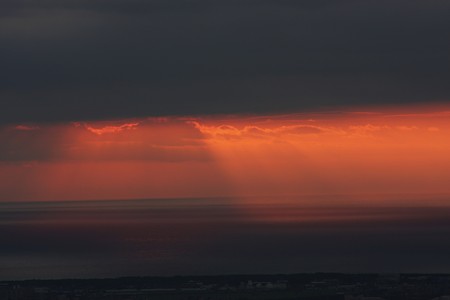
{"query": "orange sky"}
[(378, 151)]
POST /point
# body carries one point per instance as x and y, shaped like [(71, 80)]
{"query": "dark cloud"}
[(79, 60), (150, 6)]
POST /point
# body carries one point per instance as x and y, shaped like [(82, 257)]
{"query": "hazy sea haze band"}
[(209, 236)]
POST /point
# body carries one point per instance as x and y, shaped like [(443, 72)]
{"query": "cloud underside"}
[(87, 60), (341, 153), (197, 139)]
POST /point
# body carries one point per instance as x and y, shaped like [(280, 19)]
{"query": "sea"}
[(225, 235)]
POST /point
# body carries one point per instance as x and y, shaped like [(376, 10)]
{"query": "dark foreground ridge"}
[(318, 286)]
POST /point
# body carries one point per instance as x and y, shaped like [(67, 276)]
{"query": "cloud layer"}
[(83, 60), (340, 153)]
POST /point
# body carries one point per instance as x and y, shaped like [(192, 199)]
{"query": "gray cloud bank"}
[(81, 60)]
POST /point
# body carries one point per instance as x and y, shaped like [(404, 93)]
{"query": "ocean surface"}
[(91, 239)]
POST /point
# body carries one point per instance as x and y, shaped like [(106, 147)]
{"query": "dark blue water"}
[(222, 236)]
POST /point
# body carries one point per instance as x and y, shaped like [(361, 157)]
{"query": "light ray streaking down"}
[(365, 152)]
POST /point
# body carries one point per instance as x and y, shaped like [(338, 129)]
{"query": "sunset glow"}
[(365, 152)]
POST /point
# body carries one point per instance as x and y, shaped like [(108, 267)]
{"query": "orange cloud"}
[(257, 131), (111, 129), (26, 127), (333, 153)]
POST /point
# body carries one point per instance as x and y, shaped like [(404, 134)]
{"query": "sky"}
[(318, 128), (95, 92), (340, 153)]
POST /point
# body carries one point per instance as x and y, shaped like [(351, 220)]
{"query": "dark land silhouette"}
[(314, 286)]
